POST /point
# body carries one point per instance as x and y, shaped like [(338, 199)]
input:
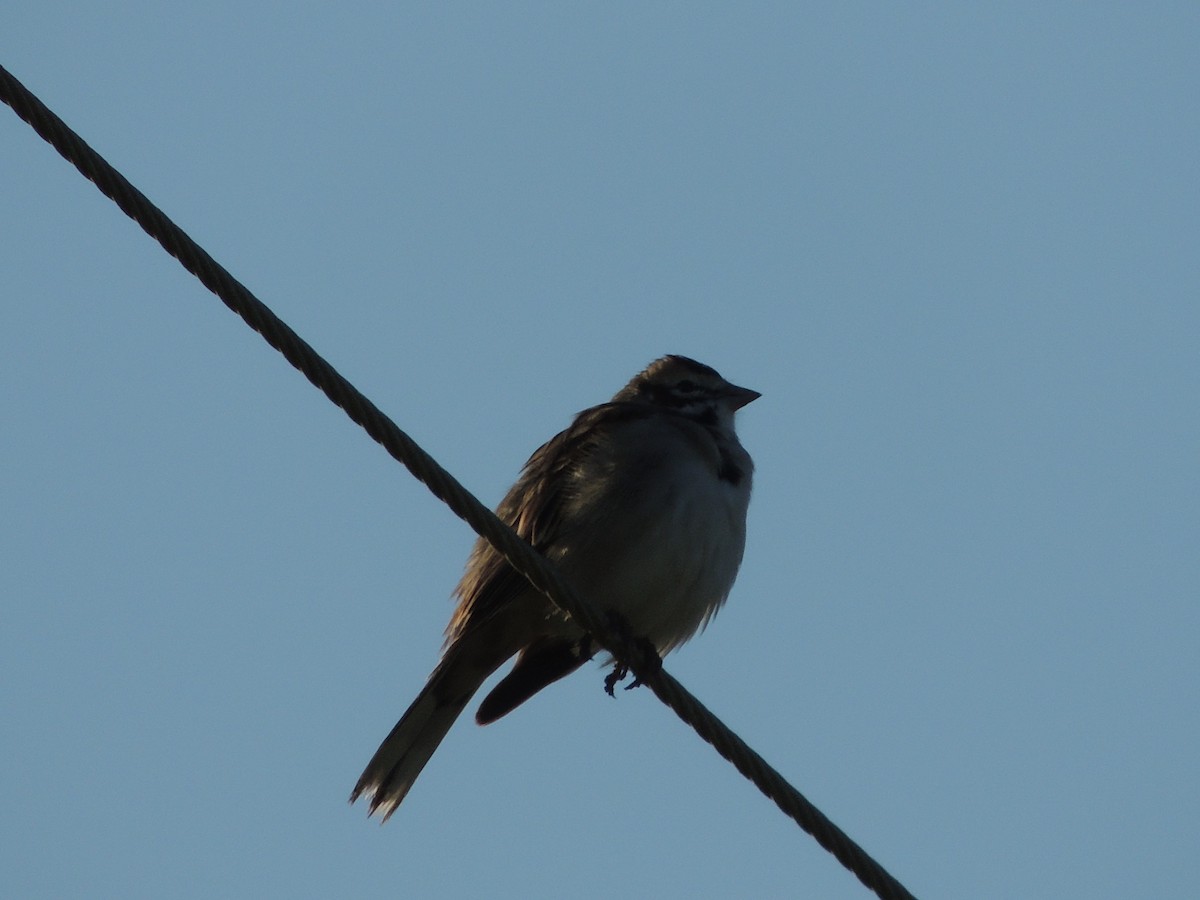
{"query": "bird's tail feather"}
[(405, 751)]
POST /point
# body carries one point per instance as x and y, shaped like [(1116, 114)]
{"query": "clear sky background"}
[(957, 248)]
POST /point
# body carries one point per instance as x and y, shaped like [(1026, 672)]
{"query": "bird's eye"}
[(687, 386)]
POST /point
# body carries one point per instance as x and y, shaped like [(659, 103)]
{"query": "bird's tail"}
[(406, 750)]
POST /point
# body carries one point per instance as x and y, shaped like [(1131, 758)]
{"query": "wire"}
[(383, 430)]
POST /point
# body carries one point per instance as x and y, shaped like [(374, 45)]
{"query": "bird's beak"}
[(740, 396)]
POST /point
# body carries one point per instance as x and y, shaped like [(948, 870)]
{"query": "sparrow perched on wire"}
[(641, 504)]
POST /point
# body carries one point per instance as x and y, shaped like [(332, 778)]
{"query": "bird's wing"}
[(533, 508)]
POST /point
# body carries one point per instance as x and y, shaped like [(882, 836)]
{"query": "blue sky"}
[(955, 247)]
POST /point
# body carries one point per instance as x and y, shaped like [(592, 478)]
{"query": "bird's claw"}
[(646, 654), (618, 673)]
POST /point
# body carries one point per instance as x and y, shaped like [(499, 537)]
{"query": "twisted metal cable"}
[(444, 486)]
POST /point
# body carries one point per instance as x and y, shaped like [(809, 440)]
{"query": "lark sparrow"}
[(641, 503)]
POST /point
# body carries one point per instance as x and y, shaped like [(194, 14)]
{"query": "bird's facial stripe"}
[(673, 397)]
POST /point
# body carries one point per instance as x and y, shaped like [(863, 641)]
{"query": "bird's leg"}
[(645, 653), (618, 673)]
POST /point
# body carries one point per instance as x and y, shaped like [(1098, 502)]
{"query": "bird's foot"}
[(618, 673), (645, 653)]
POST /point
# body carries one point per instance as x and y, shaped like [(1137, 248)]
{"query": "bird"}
[(641, 504)]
